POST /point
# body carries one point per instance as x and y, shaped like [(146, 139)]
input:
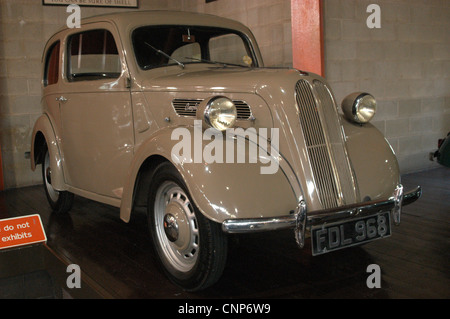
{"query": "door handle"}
[(61, 99)]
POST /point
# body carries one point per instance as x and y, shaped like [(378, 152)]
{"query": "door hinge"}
[(128, 82)]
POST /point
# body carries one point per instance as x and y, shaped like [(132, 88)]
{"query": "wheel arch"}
[(39, 147), (143, 179), (44, 137), (216, 189)]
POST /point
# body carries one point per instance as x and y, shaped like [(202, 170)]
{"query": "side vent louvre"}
[(243, 110), (185, 107), (188, 107)]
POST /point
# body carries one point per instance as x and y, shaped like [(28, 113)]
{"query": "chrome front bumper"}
[(300, 219)]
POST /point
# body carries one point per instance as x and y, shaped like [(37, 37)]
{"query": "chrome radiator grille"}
[(324, 141)]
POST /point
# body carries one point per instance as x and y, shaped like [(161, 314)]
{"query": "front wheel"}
[(191, 248), (60, 201)]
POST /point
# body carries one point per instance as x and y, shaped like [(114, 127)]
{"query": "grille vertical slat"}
[(323, 138)]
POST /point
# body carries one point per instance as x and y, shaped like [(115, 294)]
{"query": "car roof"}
[(126, 22), (132, 19)]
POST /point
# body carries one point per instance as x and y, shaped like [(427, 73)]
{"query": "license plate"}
[(334, 236)]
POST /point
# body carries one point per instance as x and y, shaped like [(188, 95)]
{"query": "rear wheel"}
[(60, 201), (191, 248)]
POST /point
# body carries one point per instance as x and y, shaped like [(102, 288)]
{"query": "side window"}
[(51, 72), (92, 55)]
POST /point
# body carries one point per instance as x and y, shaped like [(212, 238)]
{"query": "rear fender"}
[(44, 136)]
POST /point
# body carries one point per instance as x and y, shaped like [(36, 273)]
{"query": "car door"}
[(96, 116)]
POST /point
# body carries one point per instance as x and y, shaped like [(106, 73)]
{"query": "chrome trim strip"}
[(238, 226), (398, 201), (296, 220)]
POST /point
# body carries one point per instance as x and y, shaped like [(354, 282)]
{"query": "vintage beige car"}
[(174, 113)]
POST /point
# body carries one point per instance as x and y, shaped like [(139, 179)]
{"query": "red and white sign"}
[(20, 231)]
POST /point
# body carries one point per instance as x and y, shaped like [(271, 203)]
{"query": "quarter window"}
[(93, 55), (51, 72)]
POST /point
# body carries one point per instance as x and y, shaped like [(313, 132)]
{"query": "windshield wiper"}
[(165, 54), (224, 64)]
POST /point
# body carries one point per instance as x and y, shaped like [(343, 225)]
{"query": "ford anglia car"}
[(175, 114)]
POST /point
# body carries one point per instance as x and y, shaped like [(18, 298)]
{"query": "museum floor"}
[(116, 259)]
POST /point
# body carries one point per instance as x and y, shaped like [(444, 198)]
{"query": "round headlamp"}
[(359, 107), (220, 113)]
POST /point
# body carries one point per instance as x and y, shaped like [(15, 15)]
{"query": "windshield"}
[(157, 46)]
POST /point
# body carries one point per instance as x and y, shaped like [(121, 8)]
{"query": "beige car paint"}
[(43, 126), (105, 167), (365, 149)]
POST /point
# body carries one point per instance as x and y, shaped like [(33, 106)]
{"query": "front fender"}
[(43, 132), (220, 190), (373, 160)]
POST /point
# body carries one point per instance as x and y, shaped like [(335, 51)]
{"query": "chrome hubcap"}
[(176, 227), (171, 227)]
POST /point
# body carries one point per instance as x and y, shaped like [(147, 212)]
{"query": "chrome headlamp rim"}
[(208, 110), (358, 110), (357, 105)]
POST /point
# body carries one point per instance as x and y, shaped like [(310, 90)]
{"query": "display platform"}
[(116, 259)]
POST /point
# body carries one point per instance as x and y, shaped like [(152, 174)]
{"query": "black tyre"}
[(60, 202), (192, 249)]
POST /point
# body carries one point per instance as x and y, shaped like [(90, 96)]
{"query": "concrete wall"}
[(25, 26), (269, 20), (405, 64)]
